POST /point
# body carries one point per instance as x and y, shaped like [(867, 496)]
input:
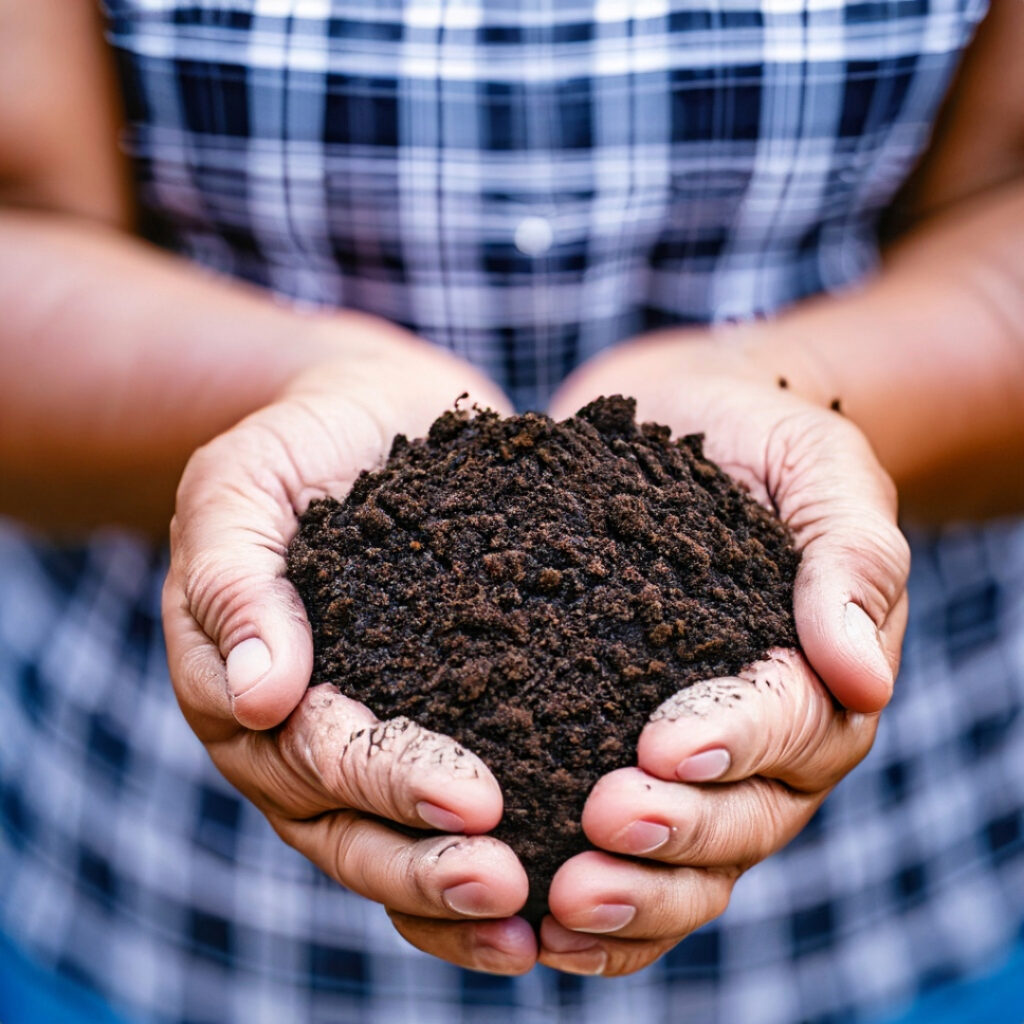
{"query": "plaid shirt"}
[(524, 182)]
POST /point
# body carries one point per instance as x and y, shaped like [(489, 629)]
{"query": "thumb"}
[(238, 642), (268, 672), (849, 620), (849, 599)]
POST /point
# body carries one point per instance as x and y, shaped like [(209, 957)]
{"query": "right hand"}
[(327, 774)]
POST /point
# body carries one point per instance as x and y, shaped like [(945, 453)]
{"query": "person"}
[(324, 223)]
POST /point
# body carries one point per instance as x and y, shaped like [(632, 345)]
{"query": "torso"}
[(527, 183)]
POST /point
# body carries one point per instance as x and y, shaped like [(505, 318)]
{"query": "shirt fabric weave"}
[(524, 182)]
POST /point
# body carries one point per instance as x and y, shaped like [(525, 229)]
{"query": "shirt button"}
[(534, 236)]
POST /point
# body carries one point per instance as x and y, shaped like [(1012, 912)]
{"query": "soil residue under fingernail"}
[(535, 589)]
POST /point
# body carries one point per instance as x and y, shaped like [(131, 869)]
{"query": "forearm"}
[(928, 359), (116, 362)]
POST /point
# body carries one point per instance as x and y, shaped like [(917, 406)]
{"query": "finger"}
[(597, 893), (578, 953), (505, 946), (735, 825), (228, 540), (774, 719), (438, 876), (828, 487), (334, 753)]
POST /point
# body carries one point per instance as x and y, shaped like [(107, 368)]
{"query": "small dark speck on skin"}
[(836, 406), (783, 383), (647, 786)]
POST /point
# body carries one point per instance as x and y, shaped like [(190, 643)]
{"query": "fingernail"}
[(645, 836), (473, 899), (561, 940), (590, 964), (863, 635), (247, 664), (511, 936), (439, 818), (608, 917), (706, 766)]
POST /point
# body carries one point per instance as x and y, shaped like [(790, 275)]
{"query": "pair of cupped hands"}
[(718, 785)]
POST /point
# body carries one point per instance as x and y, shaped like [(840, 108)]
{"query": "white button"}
[(533, 236)]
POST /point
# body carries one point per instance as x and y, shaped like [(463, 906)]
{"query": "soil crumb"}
[(535, 589)]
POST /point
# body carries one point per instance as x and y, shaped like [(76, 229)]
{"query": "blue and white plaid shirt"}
[(524, 182)]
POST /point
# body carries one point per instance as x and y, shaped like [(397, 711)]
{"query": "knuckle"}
[(701, 840), (757, 829), (719, 836), (256, 764), (705, 897), (342, 838), (270, 782), (731, 833), (198, 680), (720, 894), (298, 750), (384, 873)]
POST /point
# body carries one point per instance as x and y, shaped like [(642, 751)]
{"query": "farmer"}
[(326, 220)]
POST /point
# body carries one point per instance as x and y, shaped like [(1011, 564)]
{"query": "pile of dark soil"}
[(535, 589)]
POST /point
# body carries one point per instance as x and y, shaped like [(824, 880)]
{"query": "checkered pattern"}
[(678, 160), (526, 183)]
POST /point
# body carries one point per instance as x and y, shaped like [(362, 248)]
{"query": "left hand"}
[(730, 770), (337, 784)]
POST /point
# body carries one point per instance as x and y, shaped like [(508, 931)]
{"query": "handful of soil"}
[(535, 589)]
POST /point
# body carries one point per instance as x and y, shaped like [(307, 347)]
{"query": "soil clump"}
[(535, 590)]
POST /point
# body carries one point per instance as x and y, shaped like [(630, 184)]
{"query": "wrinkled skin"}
[(325, 772)]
